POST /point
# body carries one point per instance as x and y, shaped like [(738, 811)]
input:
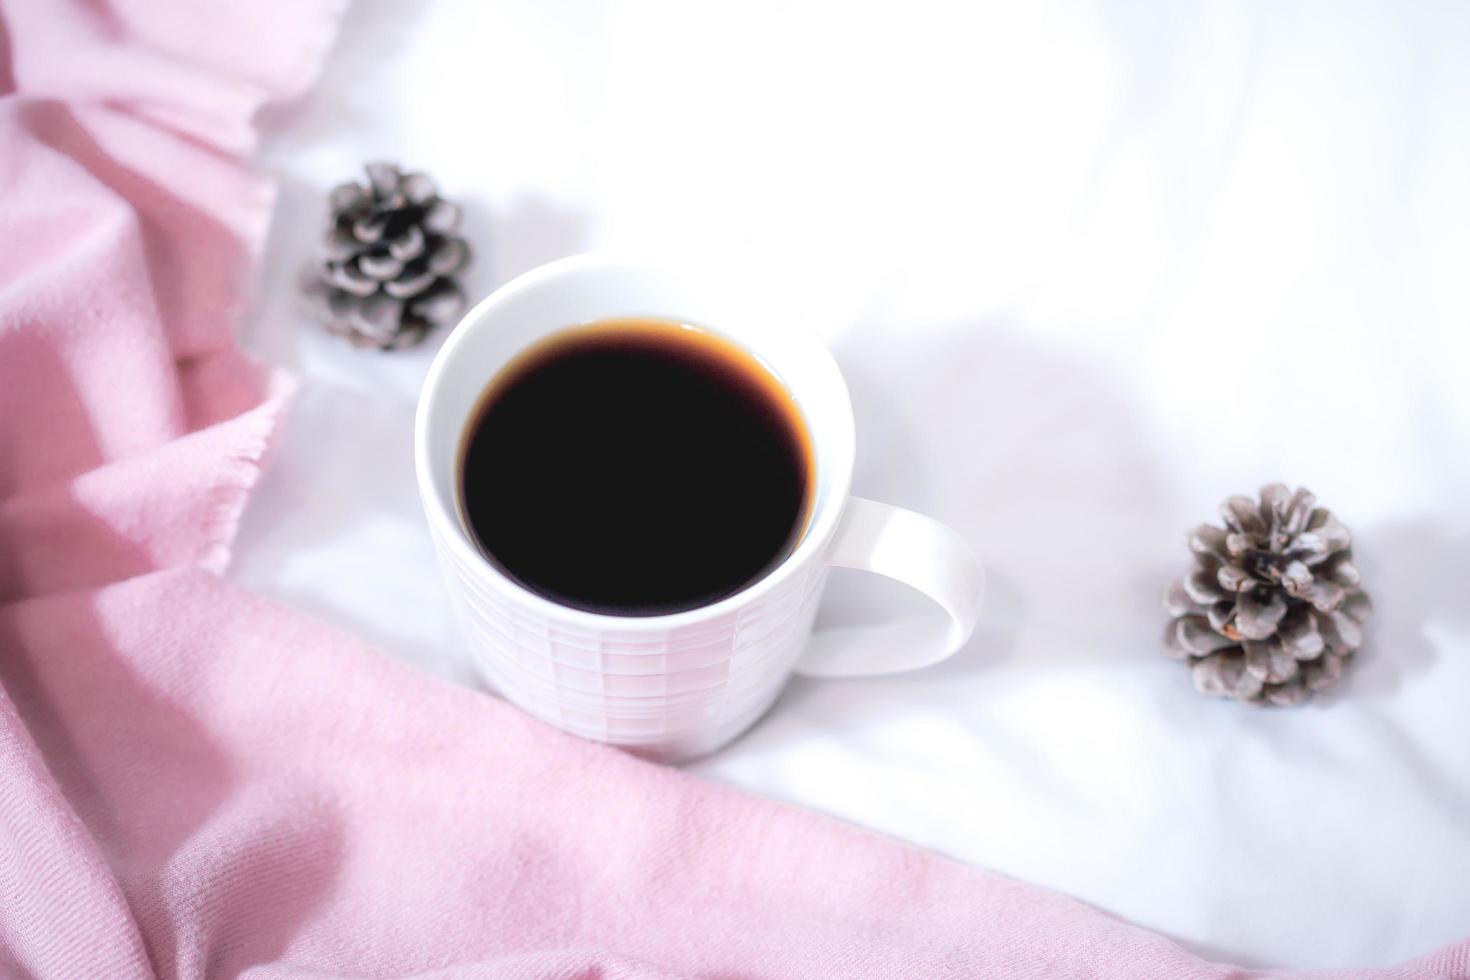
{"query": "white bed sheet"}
[(1089, 268)]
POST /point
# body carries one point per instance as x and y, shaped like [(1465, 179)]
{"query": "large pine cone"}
[(390, 255), (1273, 609)]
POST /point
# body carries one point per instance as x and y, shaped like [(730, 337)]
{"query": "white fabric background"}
[(1090, 268)]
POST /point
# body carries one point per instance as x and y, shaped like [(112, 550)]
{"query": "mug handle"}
[(921, 553)]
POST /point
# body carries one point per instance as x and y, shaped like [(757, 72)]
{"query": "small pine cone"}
[(1273, 608), (389, 260)]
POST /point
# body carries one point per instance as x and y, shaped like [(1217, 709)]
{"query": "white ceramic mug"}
[(675, 686)]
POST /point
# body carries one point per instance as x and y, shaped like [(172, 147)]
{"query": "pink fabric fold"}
[(197, 783)]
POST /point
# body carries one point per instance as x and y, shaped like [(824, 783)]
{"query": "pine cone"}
[(390, 255), (1273, 609)]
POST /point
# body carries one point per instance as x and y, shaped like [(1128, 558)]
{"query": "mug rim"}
[(442, 513)]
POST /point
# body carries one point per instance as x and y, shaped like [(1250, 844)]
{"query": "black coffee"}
[(636, 467)]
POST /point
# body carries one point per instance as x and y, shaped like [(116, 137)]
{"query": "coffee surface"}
[(636, 467)]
